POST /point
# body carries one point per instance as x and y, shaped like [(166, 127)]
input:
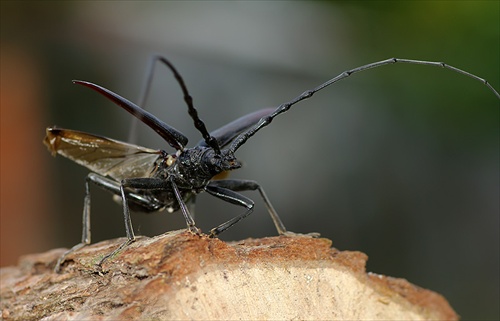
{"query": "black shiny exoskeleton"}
[(150, 180)]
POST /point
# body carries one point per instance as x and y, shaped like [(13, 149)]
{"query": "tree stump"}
[(179, 276)]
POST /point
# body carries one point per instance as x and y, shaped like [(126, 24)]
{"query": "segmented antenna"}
[(144, 94), (263, 122), (198, 123)]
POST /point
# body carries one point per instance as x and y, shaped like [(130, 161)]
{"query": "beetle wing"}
[(171, 135), (102, 155), (227, 133)]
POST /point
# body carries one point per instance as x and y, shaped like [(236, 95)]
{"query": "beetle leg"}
[(184, 208), (136, 183), (102, 182), (248, 185), (231, 197)]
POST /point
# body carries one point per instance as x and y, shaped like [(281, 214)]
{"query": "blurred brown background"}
[(401, 162)]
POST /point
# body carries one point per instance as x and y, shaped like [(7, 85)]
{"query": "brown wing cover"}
[(105, 156)]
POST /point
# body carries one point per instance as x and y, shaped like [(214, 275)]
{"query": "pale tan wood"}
[(181, 276)]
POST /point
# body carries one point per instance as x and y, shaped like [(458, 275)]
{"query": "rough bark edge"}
[(32, 291)]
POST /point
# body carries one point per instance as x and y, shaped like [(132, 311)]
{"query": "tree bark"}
[(179, 275)]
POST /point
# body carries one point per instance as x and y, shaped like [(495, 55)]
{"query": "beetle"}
[(150, 180)]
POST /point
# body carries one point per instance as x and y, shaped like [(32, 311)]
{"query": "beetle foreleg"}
[(248, 185), (231, 197)]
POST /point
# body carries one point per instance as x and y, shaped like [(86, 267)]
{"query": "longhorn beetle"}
[(152, 180)]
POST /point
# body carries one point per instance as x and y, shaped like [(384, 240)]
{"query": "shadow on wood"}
[(179, 275)]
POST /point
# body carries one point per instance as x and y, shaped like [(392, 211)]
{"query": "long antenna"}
[(263, 122), (132, 135), (198, 123)]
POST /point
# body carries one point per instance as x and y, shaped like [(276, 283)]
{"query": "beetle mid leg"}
[(102, 182), (146, 184), (128, 221), (185, 208), (136, 183)]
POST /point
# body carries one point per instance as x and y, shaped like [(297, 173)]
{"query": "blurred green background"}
[(401, 162)]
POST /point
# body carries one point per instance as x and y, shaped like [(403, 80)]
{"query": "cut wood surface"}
[(179, 275)]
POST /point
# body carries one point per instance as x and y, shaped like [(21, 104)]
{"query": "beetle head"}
[(215, 163)]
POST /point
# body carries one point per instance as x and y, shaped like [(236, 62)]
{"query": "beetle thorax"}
[(199, 164)]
